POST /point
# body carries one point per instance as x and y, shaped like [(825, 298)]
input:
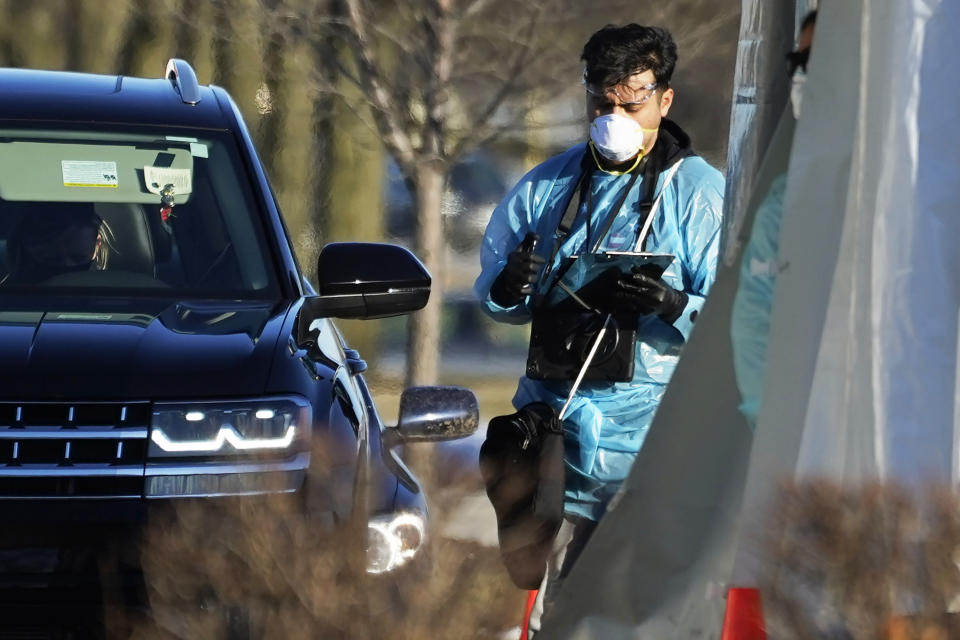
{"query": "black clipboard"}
[(587, 278)]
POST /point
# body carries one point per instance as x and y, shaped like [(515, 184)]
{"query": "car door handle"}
[(355, 364)]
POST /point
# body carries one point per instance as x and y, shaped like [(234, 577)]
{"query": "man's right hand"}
[(516, 280)]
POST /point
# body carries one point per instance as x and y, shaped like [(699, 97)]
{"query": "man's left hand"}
[(644, 294)]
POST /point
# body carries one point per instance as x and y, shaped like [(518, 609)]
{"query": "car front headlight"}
[(214, 429), (393, 539)]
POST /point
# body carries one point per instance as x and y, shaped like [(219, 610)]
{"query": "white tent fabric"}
[(766, 31), (862, 378)]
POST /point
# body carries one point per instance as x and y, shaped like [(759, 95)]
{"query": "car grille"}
[(72, 450)]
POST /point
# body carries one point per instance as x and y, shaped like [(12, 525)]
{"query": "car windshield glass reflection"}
[(132, 213)]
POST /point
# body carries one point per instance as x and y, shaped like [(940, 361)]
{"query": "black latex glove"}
[(516, 280), (642, 293)]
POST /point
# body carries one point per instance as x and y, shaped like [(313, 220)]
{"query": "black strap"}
[(650, 168), (580, 193), (651, 175), (577, 195)]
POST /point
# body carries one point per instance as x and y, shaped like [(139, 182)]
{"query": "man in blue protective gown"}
[(628, 96)]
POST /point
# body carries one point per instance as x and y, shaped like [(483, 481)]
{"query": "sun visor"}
[(38, 170)]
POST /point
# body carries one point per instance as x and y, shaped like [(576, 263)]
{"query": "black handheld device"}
[(529, 245)]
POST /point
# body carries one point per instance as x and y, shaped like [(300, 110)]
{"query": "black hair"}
[(613, 53), (809, 20), (43, 220)]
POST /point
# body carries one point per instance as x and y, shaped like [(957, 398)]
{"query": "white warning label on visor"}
[(157, 178), (89, 173)]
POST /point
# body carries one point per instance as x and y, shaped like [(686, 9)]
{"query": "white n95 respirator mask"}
[(617, 138), (796, 91)]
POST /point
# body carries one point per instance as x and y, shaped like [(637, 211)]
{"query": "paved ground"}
[(473, 518)]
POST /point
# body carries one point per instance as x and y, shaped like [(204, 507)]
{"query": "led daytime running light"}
[(225, 435)]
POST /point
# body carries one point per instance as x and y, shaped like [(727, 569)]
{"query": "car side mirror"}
[(368, 280), (434, 414)]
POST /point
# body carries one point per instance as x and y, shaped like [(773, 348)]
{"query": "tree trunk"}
[(423, 330), (355, 203), (138, 41), (11, 53), (186, 35), (75, 50), (321, 130), (224, 63), (274, 112), (237, 54)]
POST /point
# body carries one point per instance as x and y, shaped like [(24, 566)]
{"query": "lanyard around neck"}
[(583, 193), (651, 174), (642, 234), (611, 216)]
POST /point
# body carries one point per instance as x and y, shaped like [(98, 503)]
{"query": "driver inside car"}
[(65, 238)]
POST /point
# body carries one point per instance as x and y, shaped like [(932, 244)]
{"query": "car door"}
[(340, 440)]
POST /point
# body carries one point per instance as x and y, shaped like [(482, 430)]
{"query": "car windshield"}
[(129, 212)]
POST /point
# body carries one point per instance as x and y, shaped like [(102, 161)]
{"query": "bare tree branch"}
[(701, 37), (325, 87), (481, 121), (404, 45), (330, 30), (474, 8), (442, 34), (412, 59), (396, 139)]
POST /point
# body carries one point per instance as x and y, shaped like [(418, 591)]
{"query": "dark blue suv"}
[(157, 337)]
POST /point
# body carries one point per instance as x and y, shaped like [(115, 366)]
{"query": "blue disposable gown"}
[(607, 422), (753, 303)]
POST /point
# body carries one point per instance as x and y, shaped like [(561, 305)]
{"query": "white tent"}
[(863, 372), (862, 378)]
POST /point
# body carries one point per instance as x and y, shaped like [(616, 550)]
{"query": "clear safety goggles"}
[(627, 93)]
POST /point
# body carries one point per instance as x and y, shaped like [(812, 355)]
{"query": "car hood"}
[(179, 350)]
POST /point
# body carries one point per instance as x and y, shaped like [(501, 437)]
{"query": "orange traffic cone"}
[(743, 619), (528, 610)]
